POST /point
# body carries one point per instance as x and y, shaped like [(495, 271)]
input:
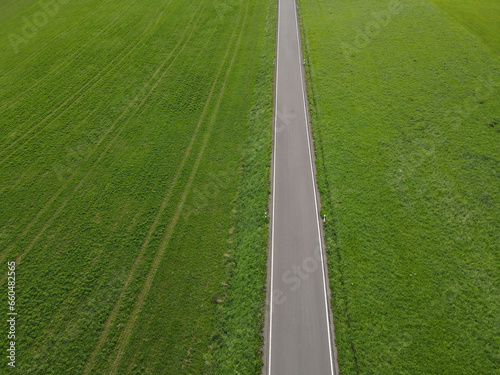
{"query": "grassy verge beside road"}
[(238, 339)]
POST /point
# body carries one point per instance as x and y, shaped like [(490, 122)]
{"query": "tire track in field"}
[(42, 211), (125, 335), (24, 177), (95, 256), (71, 301), (40, 49), (99, 79), (99, 76), (146, 327), (109, 130), (58, 192), (66, 61)]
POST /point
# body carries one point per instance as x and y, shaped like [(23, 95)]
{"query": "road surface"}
[(299, 328)]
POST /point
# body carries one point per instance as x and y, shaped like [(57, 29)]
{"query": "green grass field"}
[(405, 109), (134, 154)]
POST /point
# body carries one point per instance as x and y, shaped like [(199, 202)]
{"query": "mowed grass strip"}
[(405, 110), (125, 140), (480, 17)]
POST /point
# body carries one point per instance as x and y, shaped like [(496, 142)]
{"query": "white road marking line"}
[(323, 265)]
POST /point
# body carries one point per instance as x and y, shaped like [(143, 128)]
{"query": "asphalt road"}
[(299, 329)]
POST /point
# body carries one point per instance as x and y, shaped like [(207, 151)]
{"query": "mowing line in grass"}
[(99, 77), (153, 227), (38, 51), (41, 48), (5, 106), (58, 69)]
